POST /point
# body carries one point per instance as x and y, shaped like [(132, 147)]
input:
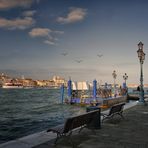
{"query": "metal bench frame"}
[(80, 122), (114, 110)]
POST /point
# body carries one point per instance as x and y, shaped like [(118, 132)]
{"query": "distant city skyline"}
[(84, 40)]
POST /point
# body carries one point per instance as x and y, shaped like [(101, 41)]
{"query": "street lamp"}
[(125, 77), (141, 56), (114, 77)]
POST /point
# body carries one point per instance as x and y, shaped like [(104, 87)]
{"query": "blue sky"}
[(42, 38)]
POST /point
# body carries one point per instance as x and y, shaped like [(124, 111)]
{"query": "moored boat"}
[(12, 85)]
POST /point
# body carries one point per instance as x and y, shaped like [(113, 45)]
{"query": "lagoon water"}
[(27, 111)]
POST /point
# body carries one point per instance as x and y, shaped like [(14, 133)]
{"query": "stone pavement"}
[(132, 132)]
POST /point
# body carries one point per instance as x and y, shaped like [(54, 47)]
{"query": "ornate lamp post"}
[(125, 77), (141, 56), (114, 77)]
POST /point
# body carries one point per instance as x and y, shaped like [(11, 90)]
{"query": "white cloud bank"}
[(75, 15), (37, 32), (7, 4), (18, 23), (47, 34)]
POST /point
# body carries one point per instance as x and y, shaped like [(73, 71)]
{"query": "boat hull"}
[(12, 87)]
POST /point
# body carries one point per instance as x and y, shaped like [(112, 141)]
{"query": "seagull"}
[(78, 61), (99, 55), (64, 53)]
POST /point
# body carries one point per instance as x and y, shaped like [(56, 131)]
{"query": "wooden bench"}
[(72, 123), (116, 109)]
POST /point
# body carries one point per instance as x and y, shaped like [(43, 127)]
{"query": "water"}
[(130, 91), (27, 111)]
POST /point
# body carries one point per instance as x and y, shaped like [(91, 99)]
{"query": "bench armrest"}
[(56, 129)]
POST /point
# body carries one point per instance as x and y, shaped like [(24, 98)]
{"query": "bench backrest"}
[(116, 108), (80, 120)]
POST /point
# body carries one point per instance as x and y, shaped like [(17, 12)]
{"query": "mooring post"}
[(62, 93)]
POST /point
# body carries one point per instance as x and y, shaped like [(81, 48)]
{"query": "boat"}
[(10, 85), (133, 97)]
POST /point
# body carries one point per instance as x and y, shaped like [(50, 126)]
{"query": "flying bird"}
[(78, 61), (99, 55), (64, 53)]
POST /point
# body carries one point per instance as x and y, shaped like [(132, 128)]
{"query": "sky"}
[(78, 39)]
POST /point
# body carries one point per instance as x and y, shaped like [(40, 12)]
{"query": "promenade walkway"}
[(132, 132)]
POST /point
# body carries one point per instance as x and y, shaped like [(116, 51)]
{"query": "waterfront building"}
[(27, 82), (59, 81)]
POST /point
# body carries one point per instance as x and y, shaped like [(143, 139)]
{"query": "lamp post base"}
[(141, 102)]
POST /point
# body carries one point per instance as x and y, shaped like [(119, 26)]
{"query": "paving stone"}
[(132, 132)]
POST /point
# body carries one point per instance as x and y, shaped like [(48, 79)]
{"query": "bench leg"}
[(110, 117), (58, 136), (81, 128), (92, 129), (103, 120), (70, 139), (64, 135), (107, 117), (121, 115)]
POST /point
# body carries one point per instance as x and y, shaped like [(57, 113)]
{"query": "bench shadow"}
[(114, 120), (65, 142)]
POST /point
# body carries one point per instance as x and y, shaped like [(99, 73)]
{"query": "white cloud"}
[(7, 4), (39, 32), (18, 23), (29, 13), (75, 15), (49, 42), (47, 34)]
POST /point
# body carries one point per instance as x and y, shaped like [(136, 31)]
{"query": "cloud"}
[(18, 23), (47, 34), (49, 42), (29, 13), (75, 15), (37, 32), (7, 4)]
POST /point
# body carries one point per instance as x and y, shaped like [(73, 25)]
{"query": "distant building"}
[(41, 83), (27, 82), (133, 85), (59, 81)]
